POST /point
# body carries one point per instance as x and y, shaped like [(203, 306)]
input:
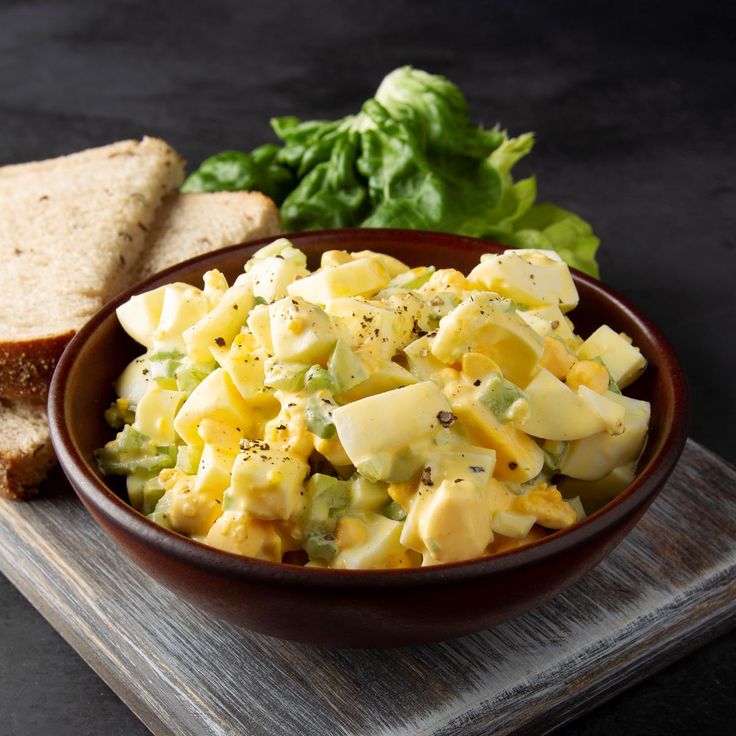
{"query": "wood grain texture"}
[(667, 588)]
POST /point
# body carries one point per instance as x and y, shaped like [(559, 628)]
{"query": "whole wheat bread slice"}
[(186, 226), (72, 230), (26, 455), (189, 225)]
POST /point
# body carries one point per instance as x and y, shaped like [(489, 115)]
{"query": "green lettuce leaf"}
[(231, 171), (437, 111), (409, 187), (331, 194), (411, 158)]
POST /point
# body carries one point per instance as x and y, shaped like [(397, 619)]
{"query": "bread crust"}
[(26, 367)]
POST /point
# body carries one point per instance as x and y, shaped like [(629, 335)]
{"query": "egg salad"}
[(371, 415)]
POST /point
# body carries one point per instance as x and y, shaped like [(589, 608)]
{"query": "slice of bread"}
[(189, 225), (72, 230), (186, 225), (26, 455)]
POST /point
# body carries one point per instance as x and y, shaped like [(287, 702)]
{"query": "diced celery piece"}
[(189, 376), (318, 379), (144, 492), (169, 452), (326, 497), (499, 395), (114, 465), (394, 512), (319, 417), (412, 279), (285, 376), (160, 514), (130, 440), (346, 367), (164, 364), (554, 451), (132, 452), (134, 485), (187, 459), (152, 494)]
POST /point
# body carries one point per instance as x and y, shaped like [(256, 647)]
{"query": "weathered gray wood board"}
[(667, 588)]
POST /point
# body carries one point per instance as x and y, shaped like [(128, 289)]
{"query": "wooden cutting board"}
[(667, 589)]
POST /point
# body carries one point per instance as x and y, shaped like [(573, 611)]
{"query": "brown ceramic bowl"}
[(358, 607)]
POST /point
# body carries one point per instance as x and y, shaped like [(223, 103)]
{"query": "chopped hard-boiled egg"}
[(355, 278), (267, 483), (300, 332), (220, 325), (370, 414), (380, 433), (140, 315), (535, 278), (237, 532), (484, 323), (623, 360)]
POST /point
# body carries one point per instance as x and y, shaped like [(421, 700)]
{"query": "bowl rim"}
[(100, 499)]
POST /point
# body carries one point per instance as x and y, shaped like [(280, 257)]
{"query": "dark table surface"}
[(634, 107)]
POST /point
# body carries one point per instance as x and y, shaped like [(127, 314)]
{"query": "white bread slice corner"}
[(189, 225), (26, 455), (72, 230), (186, 225)]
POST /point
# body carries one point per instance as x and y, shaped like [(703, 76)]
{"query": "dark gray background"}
[(634, 106)]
